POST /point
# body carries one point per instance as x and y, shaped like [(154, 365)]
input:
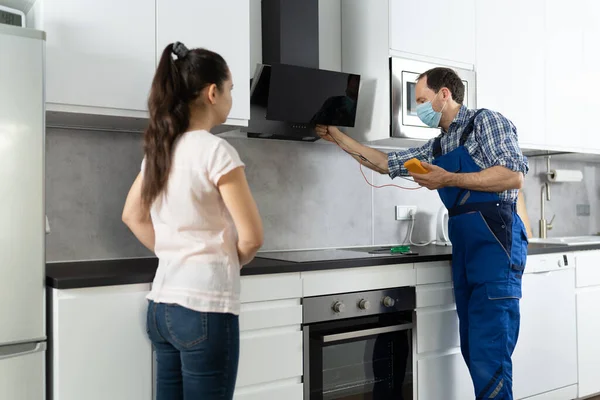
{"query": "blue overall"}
[(489, 250)]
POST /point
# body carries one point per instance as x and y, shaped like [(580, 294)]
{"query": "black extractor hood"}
[(289, 94)]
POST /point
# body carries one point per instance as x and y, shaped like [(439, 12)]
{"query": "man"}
[(477, 167)]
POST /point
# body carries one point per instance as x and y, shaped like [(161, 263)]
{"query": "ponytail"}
[(177, 82)]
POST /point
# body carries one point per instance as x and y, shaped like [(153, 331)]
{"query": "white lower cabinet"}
[(271, 364), (588, 321), (99, 349), (444, 377), (545, 358), (588, 337), (98, 344), (441, 369)]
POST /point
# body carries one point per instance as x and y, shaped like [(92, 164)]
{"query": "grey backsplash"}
[(310, 195), (564, 197)]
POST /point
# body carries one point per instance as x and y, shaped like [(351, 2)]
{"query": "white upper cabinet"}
[(99, 54), (565, 84), (510, 64), (537, 63), (590, 82), (437, 31), (434, 28), (222, 26)]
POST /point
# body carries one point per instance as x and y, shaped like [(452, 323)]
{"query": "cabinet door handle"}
[(366, 332), (18, 350)]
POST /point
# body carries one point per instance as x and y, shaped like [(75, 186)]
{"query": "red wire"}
[(363, 173), (387, 185)]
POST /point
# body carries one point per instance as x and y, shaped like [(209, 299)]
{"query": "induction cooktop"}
[(333, 254)]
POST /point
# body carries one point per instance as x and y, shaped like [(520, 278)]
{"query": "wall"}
[(564, 197), (309, 195), (88, 175)]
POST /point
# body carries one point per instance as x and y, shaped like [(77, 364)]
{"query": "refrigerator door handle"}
[(18, 350)]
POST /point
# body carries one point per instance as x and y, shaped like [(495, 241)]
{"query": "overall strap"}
[(437, 147), (469, 128)]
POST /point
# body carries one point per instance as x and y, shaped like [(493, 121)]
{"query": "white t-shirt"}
[(196, 240)]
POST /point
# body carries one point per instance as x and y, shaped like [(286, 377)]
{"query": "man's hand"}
[(323, 133), (437, 177), (329, 133)]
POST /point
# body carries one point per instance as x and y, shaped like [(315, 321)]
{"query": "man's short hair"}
[(440, 77)]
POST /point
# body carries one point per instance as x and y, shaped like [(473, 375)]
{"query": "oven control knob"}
[(388, 301), (338, 307), (364, 304)]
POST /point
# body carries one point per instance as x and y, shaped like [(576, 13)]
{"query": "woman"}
[(192, 206)]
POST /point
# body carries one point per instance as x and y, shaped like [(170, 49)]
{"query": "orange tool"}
[(415, 166)]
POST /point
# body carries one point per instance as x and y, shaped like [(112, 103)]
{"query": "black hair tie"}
[(180, 50)]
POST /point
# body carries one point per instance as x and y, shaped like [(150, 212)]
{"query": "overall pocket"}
[(503, 290), (186, 327), (497, 230), (519, 253)]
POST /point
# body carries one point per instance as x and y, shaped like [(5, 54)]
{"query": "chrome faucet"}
[(545, 226)]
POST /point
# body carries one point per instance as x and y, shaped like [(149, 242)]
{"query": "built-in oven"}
[(403, 79), (359, 345)]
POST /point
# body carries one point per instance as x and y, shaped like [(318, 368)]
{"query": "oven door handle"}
[(338, 337)]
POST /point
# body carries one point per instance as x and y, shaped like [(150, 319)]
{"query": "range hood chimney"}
[(290, 32), (300, 33)]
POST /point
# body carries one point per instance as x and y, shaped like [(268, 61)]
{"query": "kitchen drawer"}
[(316, 283), (271, 391), (270, 314), (437, 330), (433, 272), (269, 355), (587, 272), (270, 287), (434, 295)]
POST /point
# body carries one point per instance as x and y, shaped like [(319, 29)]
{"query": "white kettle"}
[(442, 228)]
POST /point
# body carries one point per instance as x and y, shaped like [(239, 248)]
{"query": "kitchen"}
[(96, 88)]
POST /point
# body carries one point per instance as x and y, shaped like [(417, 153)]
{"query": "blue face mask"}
[(428, 115)]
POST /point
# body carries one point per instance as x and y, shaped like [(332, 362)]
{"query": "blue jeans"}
[(196, 353)]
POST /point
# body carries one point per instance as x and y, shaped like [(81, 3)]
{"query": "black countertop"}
[(81, 274)]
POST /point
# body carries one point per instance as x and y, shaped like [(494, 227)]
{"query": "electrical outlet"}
[(583, 210), (404, 213)]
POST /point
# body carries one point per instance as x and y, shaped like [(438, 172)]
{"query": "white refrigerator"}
[(22, 217)]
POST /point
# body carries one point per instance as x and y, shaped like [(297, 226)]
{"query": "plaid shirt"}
[(493, 142)]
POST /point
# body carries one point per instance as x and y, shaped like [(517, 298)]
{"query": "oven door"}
[(367, 358)]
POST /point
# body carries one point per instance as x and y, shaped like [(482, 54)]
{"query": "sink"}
[(568, 240)]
